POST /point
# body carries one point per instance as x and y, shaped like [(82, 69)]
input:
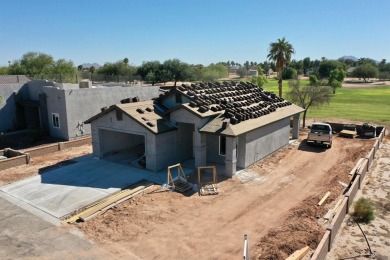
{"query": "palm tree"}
[(280, 52)]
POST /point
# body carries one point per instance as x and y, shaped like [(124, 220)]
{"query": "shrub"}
[(363, 210), (289, 73)]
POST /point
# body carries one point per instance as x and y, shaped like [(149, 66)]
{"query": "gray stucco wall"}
[(265, 140), (55, 100), (8, 104), (82, 104), (170, 100), (185, 141), (212, 142), (160, 150), (167, 152), (184, 116), (35, 87)]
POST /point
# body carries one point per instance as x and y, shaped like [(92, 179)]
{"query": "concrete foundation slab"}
[(62, 191)]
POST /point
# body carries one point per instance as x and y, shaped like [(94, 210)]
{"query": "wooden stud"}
[(299, 254), (324, 198)]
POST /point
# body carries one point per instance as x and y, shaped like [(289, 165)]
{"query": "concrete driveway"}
[(24, 235), (61, 191)]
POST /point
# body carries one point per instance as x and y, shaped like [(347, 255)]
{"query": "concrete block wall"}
[(78, 142), (24, 156), (42, 150), (360, 170), (338, 220), (13, 162), (323, 247), (8, 104), (353, 189), (265, 140), (75, 106)]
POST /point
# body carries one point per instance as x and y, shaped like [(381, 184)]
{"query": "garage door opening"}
[(123, 148)]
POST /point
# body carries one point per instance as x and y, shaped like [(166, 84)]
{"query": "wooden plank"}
[(105, 203), (299, 254), (357, 167), (337, 205), (324, 198)]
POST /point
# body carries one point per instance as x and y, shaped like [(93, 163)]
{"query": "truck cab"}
[(320, 134)]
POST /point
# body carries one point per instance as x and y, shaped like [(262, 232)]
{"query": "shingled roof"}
[(237, 101), (141, 112)]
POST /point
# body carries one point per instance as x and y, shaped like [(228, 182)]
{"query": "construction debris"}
[(299, 254), (208, 188), (348, 131), (329, 215), (324, 198)]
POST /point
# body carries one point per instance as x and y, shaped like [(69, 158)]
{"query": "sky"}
[(194, 31)]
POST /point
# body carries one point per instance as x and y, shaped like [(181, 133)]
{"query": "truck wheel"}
[(330, 145)]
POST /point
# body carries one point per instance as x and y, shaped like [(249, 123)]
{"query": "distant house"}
[(253, 73), (234, 124), (60, 108)]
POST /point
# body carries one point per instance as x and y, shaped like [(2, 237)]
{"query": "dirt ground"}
[(40, 162), (350, 241), (359, 83), (274, 202)]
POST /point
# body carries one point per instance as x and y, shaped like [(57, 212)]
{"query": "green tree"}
[(63, 66), (308, 96), (306, 65), (92, 70), (326, 66), (365, 71), (313, 80), (384, 75), (32, 63), (280, 52), (336, 78), (150, 71), (117, 68), (126, 61), (260, 79), (80, 68), (289, 73), (178, 70), (4, 70), (151, 77), (214, 72)]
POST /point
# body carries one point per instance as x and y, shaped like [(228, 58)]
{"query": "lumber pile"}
[(107, 203)]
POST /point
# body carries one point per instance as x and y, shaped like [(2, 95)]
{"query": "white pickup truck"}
[(320, 133)]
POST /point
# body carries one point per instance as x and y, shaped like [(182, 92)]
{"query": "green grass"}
[(364, 104)]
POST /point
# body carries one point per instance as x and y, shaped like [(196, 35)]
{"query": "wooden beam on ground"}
[(324, 198), (299, 254), (107, 203)]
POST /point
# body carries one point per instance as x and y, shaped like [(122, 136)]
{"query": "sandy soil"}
[(359, 83), (40, 162), (350, 241), (273, 202)]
